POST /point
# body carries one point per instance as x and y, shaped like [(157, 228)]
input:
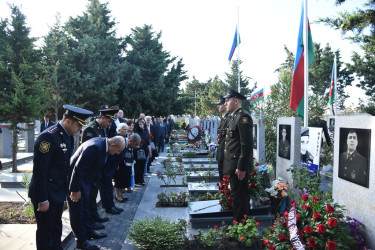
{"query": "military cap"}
[(232, 93), (79, 114), (109, 112), (221, 101), (305, 131)]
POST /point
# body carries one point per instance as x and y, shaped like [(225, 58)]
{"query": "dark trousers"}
[(93, 207), (220, 169), (240, 196), (139, 170), (49, 227), (106, 186), (161, 144), (80, 220)]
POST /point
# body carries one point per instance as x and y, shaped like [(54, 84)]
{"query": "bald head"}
[(116, 144)]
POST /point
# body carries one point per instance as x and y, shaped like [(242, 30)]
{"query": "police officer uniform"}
[(221, 132), (238, 154), (52, 151)]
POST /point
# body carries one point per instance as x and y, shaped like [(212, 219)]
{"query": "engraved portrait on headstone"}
[(255, 136), (284, 143), (310, 147), (354, 155)]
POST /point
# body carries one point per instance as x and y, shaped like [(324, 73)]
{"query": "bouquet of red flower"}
[(224, 193), (318, 224), (254, 185)]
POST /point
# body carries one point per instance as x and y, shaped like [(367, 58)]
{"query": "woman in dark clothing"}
[(139, 167), (123, 173)]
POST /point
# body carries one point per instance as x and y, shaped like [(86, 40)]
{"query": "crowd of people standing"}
[(114, 154)]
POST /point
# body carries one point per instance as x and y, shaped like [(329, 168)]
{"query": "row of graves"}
[(287, 207)]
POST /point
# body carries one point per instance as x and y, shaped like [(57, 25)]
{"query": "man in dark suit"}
[(46, 124), (163, 134), (352, 165), (47, 190), (87, 162), (98, 128), (221, 132), (238, 152)]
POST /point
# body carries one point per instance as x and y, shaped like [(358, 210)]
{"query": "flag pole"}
[(335, 82), (238, 50), (306, 64)]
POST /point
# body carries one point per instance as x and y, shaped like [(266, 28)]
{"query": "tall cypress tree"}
[(95, 53), (22, 97)]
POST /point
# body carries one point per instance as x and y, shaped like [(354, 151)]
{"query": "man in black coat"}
[(46, 124), (47, 190), (221, 132), (238, 152), (87, 162)]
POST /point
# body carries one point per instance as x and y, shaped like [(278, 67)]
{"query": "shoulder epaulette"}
[(53, 130)]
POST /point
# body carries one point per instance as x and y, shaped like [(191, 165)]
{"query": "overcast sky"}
[(201, 31)]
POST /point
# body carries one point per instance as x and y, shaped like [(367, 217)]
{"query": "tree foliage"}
[(358, 26)]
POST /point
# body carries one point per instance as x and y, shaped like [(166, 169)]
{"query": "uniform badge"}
[(245, 120), (63, 146), (44, 147), (231, 134)]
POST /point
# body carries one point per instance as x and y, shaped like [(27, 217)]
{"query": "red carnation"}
[(257, 224), (235, 222), (308, 230), (243, 221), (282, 237), (245, 216), (312, 243), (226, 192), (305, 197), (216, 227), (253, 173), (306, 207), (285, 214), (331, 245), (321, 228), (301, 232), (316, 216), (292, 203), (298, 217), (329, 208), (271, 247), (242, 239), (332, 222), (252, 185), (266, 241), (316, 199), (228, 199), (218, 184)]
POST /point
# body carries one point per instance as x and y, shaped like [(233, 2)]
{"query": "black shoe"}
[(112, 211), (102, 219), (96, 235), (98, 226), (121, 201), (86, 245), (118, 209)]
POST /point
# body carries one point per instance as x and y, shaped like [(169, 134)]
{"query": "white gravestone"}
[(288, 150), (354, 173)]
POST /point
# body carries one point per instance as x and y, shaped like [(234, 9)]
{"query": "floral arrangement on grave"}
[(314, 223), (357, 230), (244, 231), (278, 196), (224, 194), (266, 174), (172, 200), (254, 185)]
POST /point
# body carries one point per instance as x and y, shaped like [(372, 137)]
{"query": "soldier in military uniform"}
[(352, 165), (98, 128), (221, 130), (238, 152), (284, 145), (47, 190)]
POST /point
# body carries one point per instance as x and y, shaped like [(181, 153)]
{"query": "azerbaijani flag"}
[(261, 118), (297, 93), (234, 45), (256, 96), (332, 87)]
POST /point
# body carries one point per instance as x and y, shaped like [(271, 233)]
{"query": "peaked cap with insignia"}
[(221, 101), (79, 114), (109, 112), (232, 93)]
